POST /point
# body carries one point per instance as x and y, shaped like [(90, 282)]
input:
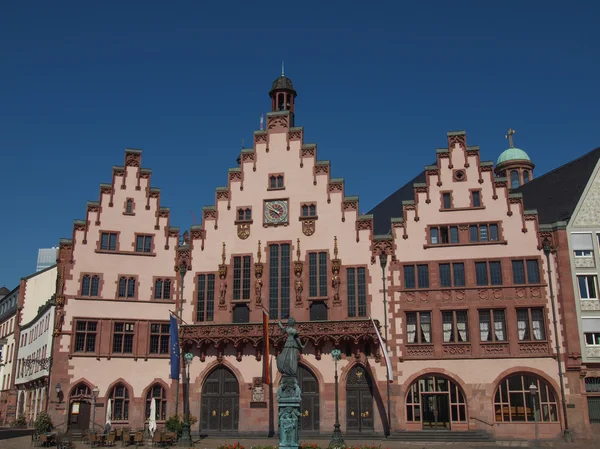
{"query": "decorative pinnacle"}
[(335, 248), (258, 253), (298, 250), (509, 136), (282, 69), (223, 254)]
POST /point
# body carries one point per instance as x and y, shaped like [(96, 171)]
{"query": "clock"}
[(276, 212)]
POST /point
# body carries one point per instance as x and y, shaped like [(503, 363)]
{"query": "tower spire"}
[(282, 68)]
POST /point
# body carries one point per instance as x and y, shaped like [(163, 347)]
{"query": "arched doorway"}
[(219, 410), (309, 408), (436, 402), (80, 407), (359, 401), (513, 401)]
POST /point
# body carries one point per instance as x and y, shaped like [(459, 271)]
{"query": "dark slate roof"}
[(4, 291), (392, 206), (283, 82), (556, 193)]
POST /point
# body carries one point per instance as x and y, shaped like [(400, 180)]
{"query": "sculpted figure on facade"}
[(287, 361), (298, 283), (223, 282)]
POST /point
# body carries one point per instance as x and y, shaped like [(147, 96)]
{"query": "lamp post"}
[(547, 250), (185, 430), (533, 389), (58, 393), (383, 263), (95, 393), (336, 441), (182, 271)]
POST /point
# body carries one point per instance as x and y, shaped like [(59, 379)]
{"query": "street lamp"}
[(58, 393), (95, 394), (533, 389), (336, 441), (383, 263), (547, 246), (185, 430), (182, 270)]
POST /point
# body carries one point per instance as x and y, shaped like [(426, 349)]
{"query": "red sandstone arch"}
[(120, 380), (83, 381), (159, 381), (431, 372), (201, 378)]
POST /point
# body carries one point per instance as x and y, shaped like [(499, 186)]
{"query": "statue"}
[(222, 291), (288, 427), (287, 361), (335, 284)]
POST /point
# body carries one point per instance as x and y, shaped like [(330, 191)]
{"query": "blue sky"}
[(379, 84)]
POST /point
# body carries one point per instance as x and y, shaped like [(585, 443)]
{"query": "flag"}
[(175, 355), (385, 352), (262, 121), (266, 352)]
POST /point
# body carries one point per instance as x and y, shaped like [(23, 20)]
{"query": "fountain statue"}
[(288, 393)]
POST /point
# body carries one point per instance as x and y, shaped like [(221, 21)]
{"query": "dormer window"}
[(244, 214), (309, 210), (276, 181)]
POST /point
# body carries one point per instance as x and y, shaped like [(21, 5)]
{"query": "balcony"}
[(240, 336)]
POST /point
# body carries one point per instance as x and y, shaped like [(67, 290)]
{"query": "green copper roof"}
[(513, 154)]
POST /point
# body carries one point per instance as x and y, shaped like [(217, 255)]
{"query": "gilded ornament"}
[(223, 278), (298, 284), (336, 265), (308, 227), (243, 231)]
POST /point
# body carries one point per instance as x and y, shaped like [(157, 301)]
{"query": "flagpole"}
[(383, 263), (182, 271)]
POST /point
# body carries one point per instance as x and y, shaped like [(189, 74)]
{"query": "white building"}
[(46, 258), (8, 311)]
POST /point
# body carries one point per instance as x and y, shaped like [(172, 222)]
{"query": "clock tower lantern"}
[(282, 95)]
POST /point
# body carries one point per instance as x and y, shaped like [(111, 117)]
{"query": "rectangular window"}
[(452, 275), (422, 279), (205, 307), (476, 198), (90, 285), (162, 289), (482, 233), (317, 275), (279, 281), (143, 244), (488, 273), (123, 334), (445, 276), (530, 324), (108, 241), (85, 336), (592, 338), (455, 326), (423, 276), (458, 270), (159, 338), (447, 201), (588, 286), (443, 235), (241, 277), (409, 276), (357, 292), (418, 327), (526, 271), (126, 287), (308, 210), (492, 325)]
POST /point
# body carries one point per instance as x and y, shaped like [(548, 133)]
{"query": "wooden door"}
[(219, 411), (359, 401), (80, 421), (309, 407)]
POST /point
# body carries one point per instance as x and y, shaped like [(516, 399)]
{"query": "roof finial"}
[(282, 68), (223, 255), (509, 136), (259, 252)]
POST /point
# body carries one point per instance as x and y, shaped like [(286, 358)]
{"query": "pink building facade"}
[(459, 287)]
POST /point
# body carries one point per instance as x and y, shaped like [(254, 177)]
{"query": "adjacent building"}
[(451, 268), (8, 347), (46, 258), (568, 202)]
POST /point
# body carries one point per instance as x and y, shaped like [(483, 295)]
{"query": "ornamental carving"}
[(184, 258), (433, 172), (298, 269), (419, 350), (534, 292), (589, 304), (457, 350), (163, 213), (589, 213), (132, 160), (383, 246), (277, 122), (210, 214), (364, 225), (106, 190), (336, 187), (258, 272), (497, 293), (243, 230), (260, 138), (118, 171), (240, 334), (515, 200), (144, 174), (459, 139), (248, 157), (79, 227), (533, 348), (223, 280), (584, 262), (321, 169), (235, 176), (520, 293), (154, 194), (93, 208), (495, 348), (446, 295), (174, 233), (500, 184), (308, 152), (530, 217), (482, 294), (295, 135), (463, 227), (197, 234), (308, 227), (350, 206), (336, 265), (223, 195), (424, 296), (410, 296)]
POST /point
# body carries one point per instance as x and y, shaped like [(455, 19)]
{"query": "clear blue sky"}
[(379, 84)]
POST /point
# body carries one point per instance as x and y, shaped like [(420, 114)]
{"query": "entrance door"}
[(359, 401), (80, 412), (219, 411), (436, 412), (309, 411)]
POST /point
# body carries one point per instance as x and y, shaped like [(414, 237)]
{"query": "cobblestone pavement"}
[(213, 443)]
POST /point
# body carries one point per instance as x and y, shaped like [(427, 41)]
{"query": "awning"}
[(590, 324)]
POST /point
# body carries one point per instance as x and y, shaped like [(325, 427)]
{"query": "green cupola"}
[(514, 164)]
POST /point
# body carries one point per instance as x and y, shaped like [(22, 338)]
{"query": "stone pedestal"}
[(289, 397)]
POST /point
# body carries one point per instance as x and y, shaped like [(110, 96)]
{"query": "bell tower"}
[(283, 95)]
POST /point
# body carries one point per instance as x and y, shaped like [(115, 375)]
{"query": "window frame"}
[(161, 402), (318, 282), (488, 270), (125, 399), (595, 336), (145, 248), (419, 329), (488, 231), (455, 333), (353, 292), (85, 333), (447, 194), (477, 192), (502, 400), (159, 293), (452, 273), (595, 280), (279, 291), (109, 247), (87, 292), (276, 181), (159, 336), (245, 212), (129, 280), (448, 231), (308, 210), (492, 329), (526, 271), (242, 278), (206, 296), (416, 277), (124, 334), (530, 328)]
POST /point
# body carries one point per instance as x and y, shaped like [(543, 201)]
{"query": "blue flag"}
[(175, 355)]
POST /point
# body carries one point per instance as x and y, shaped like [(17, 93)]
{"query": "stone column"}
[(289, 397)]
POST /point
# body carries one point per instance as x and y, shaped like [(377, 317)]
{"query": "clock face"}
[(276, 211)]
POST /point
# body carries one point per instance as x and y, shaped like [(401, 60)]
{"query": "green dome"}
[(513, 154)]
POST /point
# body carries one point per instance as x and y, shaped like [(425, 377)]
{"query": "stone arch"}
[(167, 389), (201, 378), (515, 401), (219, 400), (78, 383), (434, 399), (120, 380), (128, 403)]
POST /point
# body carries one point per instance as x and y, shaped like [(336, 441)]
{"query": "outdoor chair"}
[(139, 438), (126, 438)]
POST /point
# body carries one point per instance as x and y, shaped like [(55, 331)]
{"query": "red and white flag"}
[(383, 346), (266, 352)]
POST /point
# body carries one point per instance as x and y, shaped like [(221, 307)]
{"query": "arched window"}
[(81, 389), (120, 403), (158, 393), (525, 176), (513, 400), (514, 179), (435, 401)]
